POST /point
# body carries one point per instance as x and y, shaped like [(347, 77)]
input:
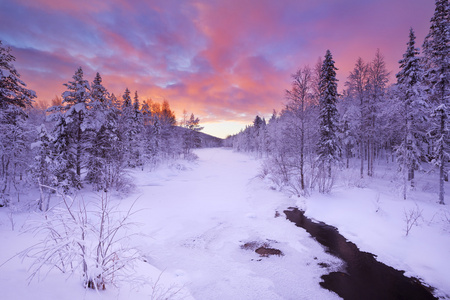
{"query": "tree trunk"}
[(361, 154), (302, 152), (78, 152), (443, 161)]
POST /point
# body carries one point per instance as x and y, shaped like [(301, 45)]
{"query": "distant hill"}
[(207, 141)]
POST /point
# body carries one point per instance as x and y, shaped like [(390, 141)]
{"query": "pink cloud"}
[(223, 60)]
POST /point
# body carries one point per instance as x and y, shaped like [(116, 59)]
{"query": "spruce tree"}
[(70, 133), (413, 111), (104, 160), (43, 168), (170, 143), (14, 141), (328, 147), (436, 62), (137, 129), (191, 138), (125, 126)]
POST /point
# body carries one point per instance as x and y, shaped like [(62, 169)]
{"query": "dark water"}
[(364, 277)]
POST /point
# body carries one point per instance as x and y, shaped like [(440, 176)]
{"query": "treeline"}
[(319, 131), (88, 137)]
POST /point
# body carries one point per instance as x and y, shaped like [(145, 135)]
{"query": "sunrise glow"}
[(225, 61)]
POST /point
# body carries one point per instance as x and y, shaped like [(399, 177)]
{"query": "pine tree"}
[(436, 62), (43, 168), (137, 142), (70, 133), (413, 112), (13, 90), (125, 126), (115, 102), (104, 157), (328, 147), (170, 142), (14, 143), (190, 137), (148, 133)]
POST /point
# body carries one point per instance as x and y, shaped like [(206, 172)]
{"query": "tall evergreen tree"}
[(126, 125), (70, 133), (413, 111), (137, 142), (436, 50), (104, 157), (328, 146), (43, 168), (14, 143), (190, 137), (170, 142)]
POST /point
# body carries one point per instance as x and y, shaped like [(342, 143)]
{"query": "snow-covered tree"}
[(413, 111), (105, 160), (362, 110), (301, 106), (436, 63), (70, 133), (13, 90), (170, 143), (376, 92), (328, 147), (258, 132), (150, 134), (138, 133), (191, 139), (14, 142), (126, 125), (356, 110), (44, 168)]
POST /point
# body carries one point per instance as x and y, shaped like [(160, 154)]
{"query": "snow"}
[(194, 217), (373, 217)]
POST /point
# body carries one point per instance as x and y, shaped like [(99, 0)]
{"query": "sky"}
[(226, 61)]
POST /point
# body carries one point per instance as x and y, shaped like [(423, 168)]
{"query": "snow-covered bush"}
[(411, 218), (325, 181), (87, 239)]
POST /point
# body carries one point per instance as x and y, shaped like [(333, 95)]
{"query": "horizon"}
[(224, 61)]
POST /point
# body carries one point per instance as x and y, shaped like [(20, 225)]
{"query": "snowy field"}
[(192, 220)]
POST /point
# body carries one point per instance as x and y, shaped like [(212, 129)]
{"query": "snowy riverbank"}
[(194, 217)]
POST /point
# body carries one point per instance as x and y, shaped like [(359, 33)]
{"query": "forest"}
[(90, 136), (320, 131), (87, 137)]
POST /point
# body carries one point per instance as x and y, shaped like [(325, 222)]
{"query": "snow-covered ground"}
[(372, 214), (195, 217)]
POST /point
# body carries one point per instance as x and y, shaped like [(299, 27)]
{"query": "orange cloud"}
[(221, 60)]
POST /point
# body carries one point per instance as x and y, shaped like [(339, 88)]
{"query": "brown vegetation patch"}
[(262, 248), (265, 252)]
